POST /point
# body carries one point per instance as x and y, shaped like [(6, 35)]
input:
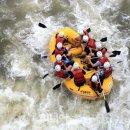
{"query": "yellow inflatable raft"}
[(85, 91)]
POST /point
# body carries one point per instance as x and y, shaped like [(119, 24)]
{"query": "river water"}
[(27, 102)]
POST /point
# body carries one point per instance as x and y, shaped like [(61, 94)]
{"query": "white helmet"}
[(81, 32), (76, 65), (57, 68), (98, 45), (99, 54), (94, 78), (106, 65), (61, 34), (58, 57), (59, 45), (85, 38)]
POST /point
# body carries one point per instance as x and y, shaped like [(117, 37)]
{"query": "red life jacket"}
[(61, 74), (103, 50), (103, 60), (60, 39), (95, 85), (78, 76), (57, 51), (91, 43), (107, 72), (86, 33)]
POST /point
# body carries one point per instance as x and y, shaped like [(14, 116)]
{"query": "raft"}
[(85, 91)]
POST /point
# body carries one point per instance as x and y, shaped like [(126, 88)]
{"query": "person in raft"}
[(78, 75), (105, 71), (61, 73), (100, 62), (64, 62), (60, 50), (89, 47), (60, 38), (95, 83)]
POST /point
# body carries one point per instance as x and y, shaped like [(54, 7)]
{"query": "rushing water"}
[(27, 102)]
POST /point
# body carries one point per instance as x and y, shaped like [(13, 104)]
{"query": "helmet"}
[(61, 34), (98, 45), (99, 54), (94, 78), (57, 68), (81, 32), (85, 38), (106, 65), (58, 57), (59, 45), (76, 65)]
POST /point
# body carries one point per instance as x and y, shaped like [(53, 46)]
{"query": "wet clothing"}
[(68, 61), (96, 85), (103, 60), (103, 50), (79, 78), (60, 39), (64, 74), (61, 51), (91, 43), (107, 72)]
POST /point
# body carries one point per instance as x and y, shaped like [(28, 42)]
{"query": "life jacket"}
[(61, 74), (95, 85), (86, 33), (107, 72), (60, 39), (103, 50), (57, 51), (103, 60), (78, 76), (91, 43)]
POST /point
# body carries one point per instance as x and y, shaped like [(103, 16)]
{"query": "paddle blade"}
[(57, 86), (103, 39), (113, 55), (45, 76), (44, 56), (107, 106), (42, 25), (88, 30), (116, 52), (119, 61)]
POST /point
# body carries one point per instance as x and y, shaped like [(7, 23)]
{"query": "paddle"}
[(42, 25), (103, 39), (106, 103), (45, 75), (58, 85), (115, 53), (88, 30)]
